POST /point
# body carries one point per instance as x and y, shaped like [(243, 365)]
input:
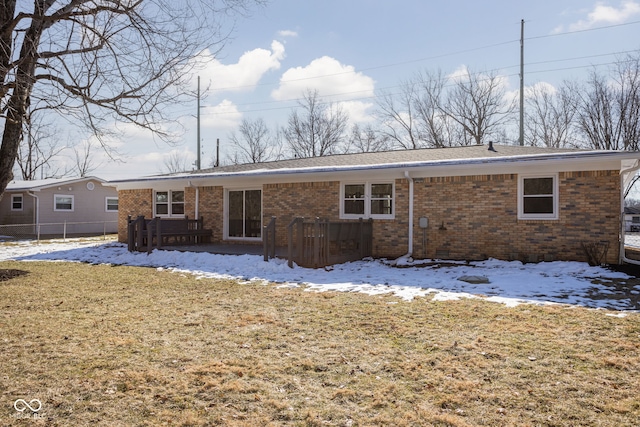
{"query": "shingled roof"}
[(472, 152)]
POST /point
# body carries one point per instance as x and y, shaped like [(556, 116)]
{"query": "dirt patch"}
[(8, 274)]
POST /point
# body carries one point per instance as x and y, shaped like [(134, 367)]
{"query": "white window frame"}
[(106, 204), (13, 197), (367, 200), (55, 202), (539, 216), (169, 213)]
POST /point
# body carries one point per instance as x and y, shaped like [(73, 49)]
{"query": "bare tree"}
[(38, 149), (176, 162), (99, 61), (367, 140), (609, 108), (433, 110), (318, 130), (436, 128), (477, 102), (550, 116), (84, 161), (254, 143), (398, 118)]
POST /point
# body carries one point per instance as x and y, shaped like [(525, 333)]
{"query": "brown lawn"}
[(127, 346)]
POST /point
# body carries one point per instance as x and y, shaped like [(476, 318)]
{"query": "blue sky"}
[(351, 50)]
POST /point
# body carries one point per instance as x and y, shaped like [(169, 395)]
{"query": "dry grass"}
[(125, 346)]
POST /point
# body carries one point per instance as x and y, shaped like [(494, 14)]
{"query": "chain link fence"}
[(57, 230)]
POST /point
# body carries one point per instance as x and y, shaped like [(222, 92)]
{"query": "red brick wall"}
[(133, 203), (470, 217), (211, 202), (476, 217)]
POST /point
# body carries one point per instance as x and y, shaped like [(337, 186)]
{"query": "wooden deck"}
[(227, 249)]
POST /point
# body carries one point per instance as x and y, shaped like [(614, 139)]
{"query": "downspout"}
[(36, 214), (623, 175), (407, 256)]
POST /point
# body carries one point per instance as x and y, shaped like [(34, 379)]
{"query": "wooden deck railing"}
[(321, 243), (269, 239), (143, 233)]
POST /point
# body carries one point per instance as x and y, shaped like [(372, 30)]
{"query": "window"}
[(111, 204), (367, 200), (16, 202), (538, 197), (63, 203), (244, 213), (169, 203)]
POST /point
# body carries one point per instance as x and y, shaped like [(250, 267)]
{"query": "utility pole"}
[(521, 139), (198, 131)]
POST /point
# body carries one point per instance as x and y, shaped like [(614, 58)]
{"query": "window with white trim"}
[(169, 203), (111, 204), (62, 203), (17, 202), (367, 200), (538, 197)]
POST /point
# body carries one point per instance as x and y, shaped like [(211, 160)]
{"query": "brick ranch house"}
[(472, 202)]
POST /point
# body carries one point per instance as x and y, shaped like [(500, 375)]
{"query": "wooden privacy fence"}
[(269, 239), (321, 243), (143, 234)]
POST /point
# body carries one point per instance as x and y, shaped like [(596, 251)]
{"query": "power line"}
[(428, 58), (343, 94)]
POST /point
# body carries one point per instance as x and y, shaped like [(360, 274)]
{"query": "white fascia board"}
[(43, 184), (566, 162)]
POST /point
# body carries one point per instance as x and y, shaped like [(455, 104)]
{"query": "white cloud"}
[(242, 75), (223, 117), (359, 112), (326, 75), (603, 14), (540, 87), (287, 33)]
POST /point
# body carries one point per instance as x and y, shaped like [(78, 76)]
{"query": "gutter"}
[(622, 253)]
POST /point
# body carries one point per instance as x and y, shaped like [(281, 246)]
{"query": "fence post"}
[(300, 252), (290, 240), (327, 236), (273, 237), (290, 245), (64, 231), (316, 242), (361, 232)]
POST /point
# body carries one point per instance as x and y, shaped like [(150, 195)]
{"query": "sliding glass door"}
[(245, 213)]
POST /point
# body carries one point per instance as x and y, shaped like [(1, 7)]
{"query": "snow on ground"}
[(510, 283)]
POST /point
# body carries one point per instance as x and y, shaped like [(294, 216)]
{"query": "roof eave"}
[(554, 158)]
